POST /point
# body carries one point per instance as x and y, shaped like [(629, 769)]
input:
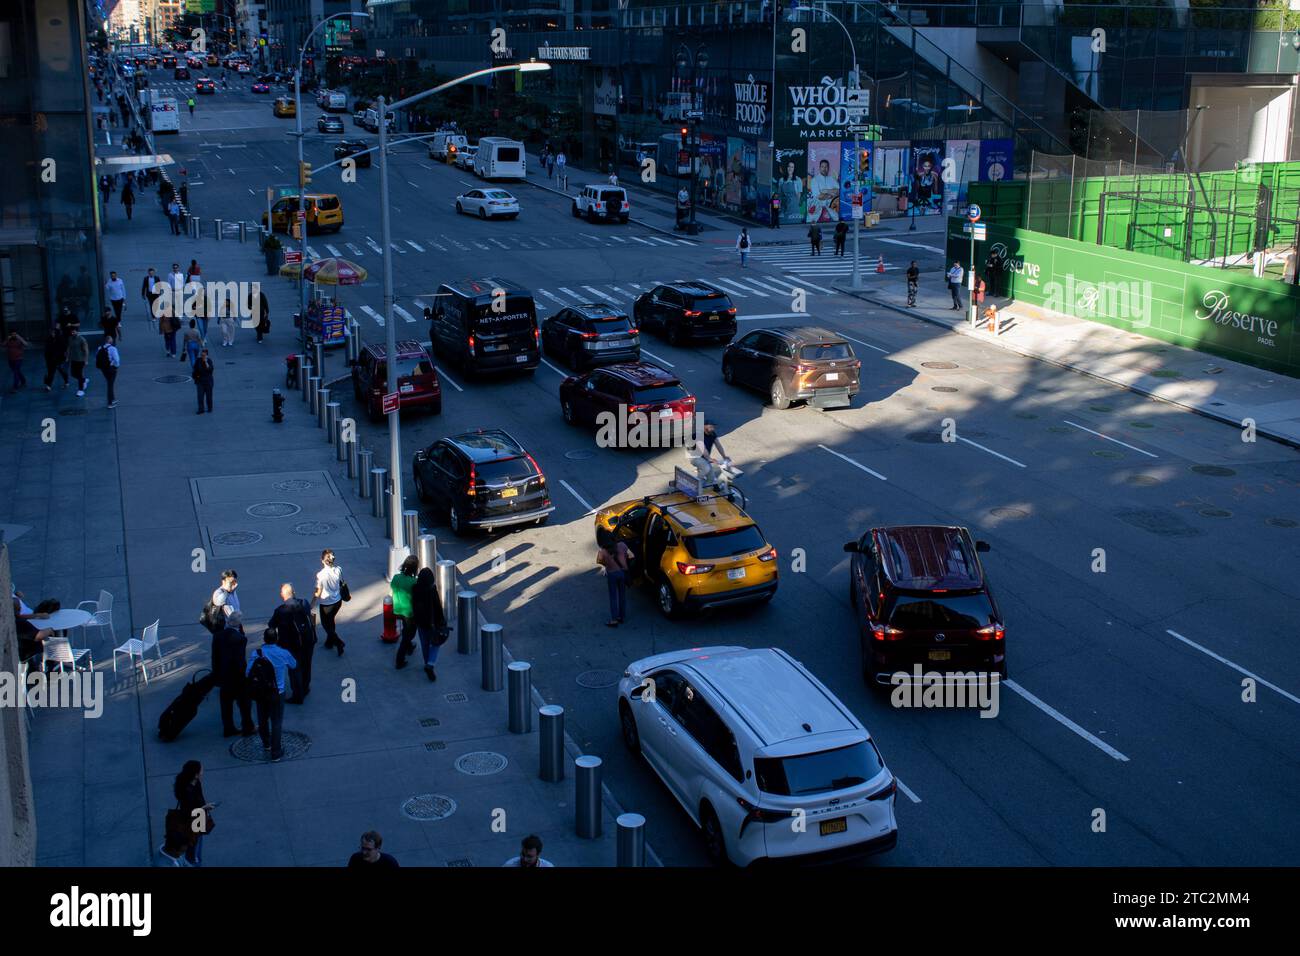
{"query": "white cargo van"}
[(500, 158), (444, 145)]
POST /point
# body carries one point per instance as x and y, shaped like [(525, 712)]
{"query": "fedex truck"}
[(164, 115)]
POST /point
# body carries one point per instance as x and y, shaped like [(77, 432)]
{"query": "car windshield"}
[(825, 351), (511, 469), (499, 194), (412, 367), (725, 544), (820, 772), (327, 202), (609, 324), (658, 393), (936, 612)]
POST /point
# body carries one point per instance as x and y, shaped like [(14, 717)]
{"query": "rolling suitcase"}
[(182, 710)]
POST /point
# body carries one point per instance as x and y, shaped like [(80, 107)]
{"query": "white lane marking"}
[(661, 240), (443, 376), (761, 291), (684, 242), (914, 245), (571, 293), (803, 284), (860, 342), (540, 242), (1236, 667), (414, 245), (907, 790), (597, 293), (1108, 438), (637, 239), (481, 246), (251, 193), (499, 243), (995, 454), (768, 284), (374, 245), (397, 248), (621, 239), (621, 292), (855, 464), (1055, 714), (770, 315), (313, 253), (420, 304), (373, 314), (403, 313), (436, 246), (551, 295), (661, 361), (554, 369), (333, 251), (416, 185), (569, 488), (426, 165), (735, 288), (354, 248)]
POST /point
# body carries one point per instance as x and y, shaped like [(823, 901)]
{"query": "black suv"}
[(922, 600), (483, 480), (799, 364), (592, 334), (686, 310), (351, 147)]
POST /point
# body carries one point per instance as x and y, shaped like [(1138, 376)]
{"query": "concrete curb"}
[(1135, 389)]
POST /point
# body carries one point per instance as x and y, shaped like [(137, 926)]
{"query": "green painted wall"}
[(1238, 317)]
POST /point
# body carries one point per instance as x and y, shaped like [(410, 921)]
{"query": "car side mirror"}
[(982, 547), (852, 547)]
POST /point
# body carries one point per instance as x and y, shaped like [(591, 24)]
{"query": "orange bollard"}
[(390, 623)]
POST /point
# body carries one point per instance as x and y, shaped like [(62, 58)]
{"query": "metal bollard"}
[(313, 394), (243, 231), (379, 492), (365, 461), (427, 553), (194, 227), (318, 357), (491, 656), (220, 229), (587, 798), (445, 574), (304, 371), (353, 453), (322, 399), (550, 720), (332, 422), (631, 839), (340, 443), (466, 622), (520, 677), (354, 341), (411, 525)]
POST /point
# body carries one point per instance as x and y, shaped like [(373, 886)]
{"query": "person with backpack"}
[(108, 361), (267, 682), (229, 663), (430, 622), (742, 245), (292, 622), (78, 356), (815, 240)]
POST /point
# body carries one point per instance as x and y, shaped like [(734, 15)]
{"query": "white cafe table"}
[(63, 621)]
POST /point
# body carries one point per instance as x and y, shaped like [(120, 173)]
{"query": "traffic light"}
[(685, 133), (304, 174)]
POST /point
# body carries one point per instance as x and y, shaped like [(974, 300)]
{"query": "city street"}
[(1125, 690)]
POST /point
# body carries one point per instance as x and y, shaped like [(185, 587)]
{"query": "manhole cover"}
[(1107, 453), (1009, 513), (456, 698), (1215, 513), (293, 484), (481, 763), (314, 527), (430, 722), (1163, 523), (1143, 481), (171, 379), (435, 745), (1101, 408), (236, 539), (580, 454), (1280, 522), (925, 438), (942, 388), (273, 509), (1166, 373), (1214, 471), (598, 678), (429, 806), (787, 482), (938, 365), (72, 411), (294, 744), (1026, 415)]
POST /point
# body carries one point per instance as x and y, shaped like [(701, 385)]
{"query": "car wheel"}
[(631, 737), (567, 410), (457, 522), (576, 213), (668, 600), (728, 373), (482, 213), (591, 215), (420, 493), (622, 219), (575, 360), (459, 210), (777, 396), (714, 843), (673, 332)]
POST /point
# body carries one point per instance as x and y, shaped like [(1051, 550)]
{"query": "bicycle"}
[(720, 476)]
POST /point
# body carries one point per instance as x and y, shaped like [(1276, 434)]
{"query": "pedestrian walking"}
[(331, 591), (430, 622), (913, 280), (78, 356), (775, 222), (268, 688), (815, 240), (550, 165), (955, 275), (110, 324), (262, 313), (613, 177), (400, 587), (292, 622), (226, 322), (683, 206), (194, 809), (174, 216), (108, 361), (150, 292), (742, 245), (613, 556), (193, 344), (190, 104), (115, 292), (168, 326), (229, 662), (841, 233), (202, 373), (56, 355), (128, 200), (370, 855), (193, 273), (530, 854), (562, 170), (15, 347)]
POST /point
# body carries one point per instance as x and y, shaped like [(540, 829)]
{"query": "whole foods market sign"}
[(751, 106), (549, 52), (827, 108)]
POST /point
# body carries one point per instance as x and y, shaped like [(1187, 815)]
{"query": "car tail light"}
[(637, 408), (731, 311), (883, 632), (541, 479), (685, 568), (768, 555), (887, 791), (692, 313), (755, 814), (473, 481), (599, 206), (857, 363), (591, 335), (994, 632), (626, 204), (471, 343), (537, 337)]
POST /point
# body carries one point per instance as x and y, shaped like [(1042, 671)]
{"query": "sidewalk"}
[(1215, 387), (150, 501)]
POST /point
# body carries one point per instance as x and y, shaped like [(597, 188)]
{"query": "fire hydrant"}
[(390, 623)]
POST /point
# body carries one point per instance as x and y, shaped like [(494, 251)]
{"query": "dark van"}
[(484, 325)]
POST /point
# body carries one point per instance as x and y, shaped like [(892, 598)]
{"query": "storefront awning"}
[(131, 164)]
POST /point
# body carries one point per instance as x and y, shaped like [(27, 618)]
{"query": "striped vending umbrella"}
[(334, 271)]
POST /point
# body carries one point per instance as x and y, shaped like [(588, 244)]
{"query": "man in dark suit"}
[(229, 662), (292, 619)]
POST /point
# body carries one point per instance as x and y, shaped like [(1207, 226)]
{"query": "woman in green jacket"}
[(401, 584)]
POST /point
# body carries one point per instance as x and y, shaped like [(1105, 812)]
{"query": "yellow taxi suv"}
[(284, 106), (698, 552), (324, 213)]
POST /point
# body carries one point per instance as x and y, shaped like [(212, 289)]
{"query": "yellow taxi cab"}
[(212, 60), (324, 212), (284, 106), (697, 551)]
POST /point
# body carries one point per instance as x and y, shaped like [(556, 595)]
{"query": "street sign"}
[(978, 231), (973, 213), (391, 403), (695, 114), (302, 215), (292, 255)]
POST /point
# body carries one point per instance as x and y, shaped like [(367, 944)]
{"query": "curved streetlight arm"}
[(522, 67)]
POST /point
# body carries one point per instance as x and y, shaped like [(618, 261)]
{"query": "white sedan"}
[(488, 203)]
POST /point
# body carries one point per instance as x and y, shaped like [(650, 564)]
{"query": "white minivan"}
[(500, 158), (760, 754)]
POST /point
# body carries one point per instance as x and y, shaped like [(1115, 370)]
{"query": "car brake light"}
[(473, 481), (883, 632), (857, 363), (732, 310), (768, 555), (537, 336), (541, 479), (471, 343), (886, 792), (755, 814), (994, 632), (637, 408), (691, 313), (591, 335), (685, 568)]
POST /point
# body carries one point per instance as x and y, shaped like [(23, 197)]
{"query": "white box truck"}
[(500, 158), (164, 115)]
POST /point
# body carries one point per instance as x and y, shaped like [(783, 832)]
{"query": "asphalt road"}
[(1126, 696)]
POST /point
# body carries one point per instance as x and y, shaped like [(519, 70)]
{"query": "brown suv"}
[(417, 379), (799, 364)]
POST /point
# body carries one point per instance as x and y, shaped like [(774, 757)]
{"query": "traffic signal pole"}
[(301, 210)]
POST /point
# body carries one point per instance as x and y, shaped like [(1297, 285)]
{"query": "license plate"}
[(941, 655), (838, 825), (736, 574), (406, 388), (509, 492), (832, 376), (521, 358), (665, 413), (713, 317)]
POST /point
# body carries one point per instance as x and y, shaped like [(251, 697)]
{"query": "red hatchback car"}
[(628, 396), (417, 379)]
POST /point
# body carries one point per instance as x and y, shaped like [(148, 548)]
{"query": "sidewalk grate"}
[(1163, 523), (430, 722), (273, 509), (1280, 522), (1213, 471), (429, 806), (171, 379), (1009, 513), (314, 527), (943, 388), (293, 743), (598, 678), (294, 484), (456, 698), (435, 745), (236, 539), (481, 763)]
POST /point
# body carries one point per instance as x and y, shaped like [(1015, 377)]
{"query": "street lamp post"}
[(398, 552), (857, 150), (697, 61)]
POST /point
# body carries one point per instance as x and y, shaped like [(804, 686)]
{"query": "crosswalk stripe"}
[(420, 304), (552, 295), (768, 284), (622, 293), (479, 244), (660, 240), (799, 285), (436, 246), (374, 245), (640, 240), (571, 293), (541, 242), (312, 253), (354, 249), (740, 289), (373, 314), (659, 359), (914, 245), (332, 251), (596, 292), (621, 239), (403, 313), (499, 243), (684, 242), (397, 248), (759, 288), (415, 245)]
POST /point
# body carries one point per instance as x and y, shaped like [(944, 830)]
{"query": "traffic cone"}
[(880, 264)]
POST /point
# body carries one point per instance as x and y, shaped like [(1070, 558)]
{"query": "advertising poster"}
[(823, 182), (764, 182), (889, 164), (712, 169), (925, 191), (733, 189), (749, 185), (855, 174), (996, 160), (791, 185), (962, 157)]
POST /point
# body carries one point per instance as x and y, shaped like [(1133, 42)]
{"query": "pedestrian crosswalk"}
[(797, 259), (368, 245)]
